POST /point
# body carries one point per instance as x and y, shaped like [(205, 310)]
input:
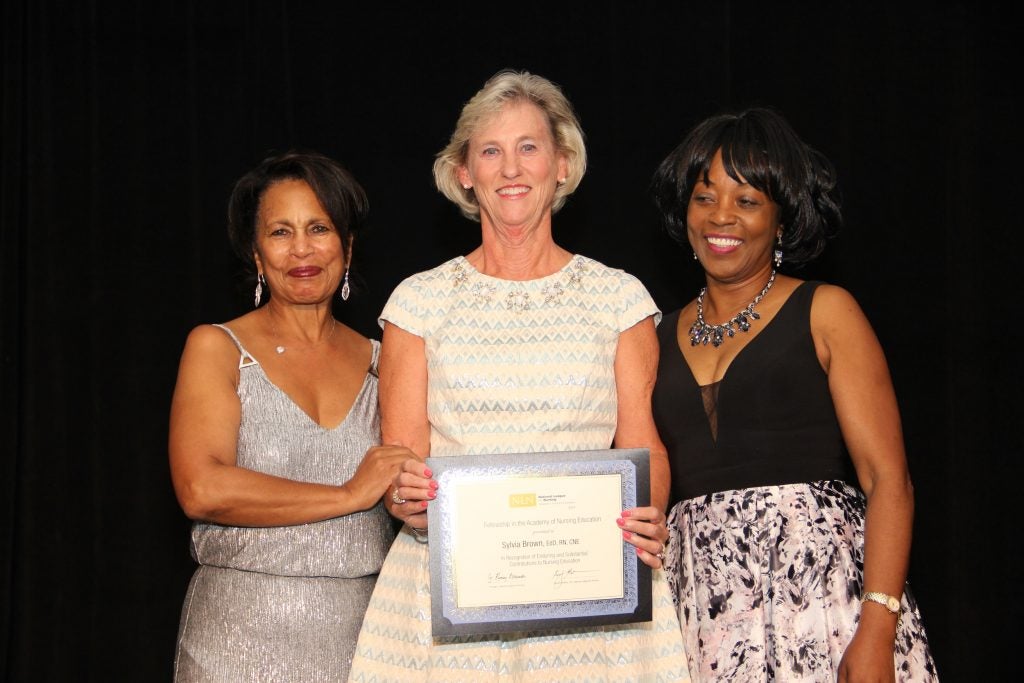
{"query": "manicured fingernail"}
[(423, 504), (625, 513), (432, 494), (627, 535), (433, 484), (620, 522), (427, 473)]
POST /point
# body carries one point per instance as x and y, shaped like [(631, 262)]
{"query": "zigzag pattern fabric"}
[(514, 367)]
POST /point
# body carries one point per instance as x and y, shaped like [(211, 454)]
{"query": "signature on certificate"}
[(563, 576), (505, 578)]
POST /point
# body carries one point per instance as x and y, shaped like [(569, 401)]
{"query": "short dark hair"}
[(759, 146), (338, 192)]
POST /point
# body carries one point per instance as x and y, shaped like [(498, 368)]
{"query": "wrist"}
[(882, 605)]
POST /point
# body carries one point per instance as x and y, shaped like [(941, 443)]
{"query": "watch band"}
[(887, 601)]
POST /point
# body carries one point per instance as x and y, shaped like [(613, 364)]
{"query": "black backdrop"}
[(124, 126)]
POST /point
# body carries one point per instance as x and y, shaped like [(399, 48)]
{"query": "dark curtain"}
[(124, 126)]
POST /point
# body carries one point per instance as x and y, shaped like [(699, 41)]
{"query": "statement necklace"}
[(702, 333)]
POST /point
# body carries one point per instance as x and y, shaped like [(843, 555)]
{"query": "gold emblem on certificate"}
[(529, 541)]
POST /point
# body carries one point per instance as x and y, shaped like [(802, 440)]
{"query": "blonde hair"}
[(500, 89)]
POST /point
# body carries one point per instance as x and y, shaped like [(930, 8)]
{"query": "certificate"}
[(529, 541)]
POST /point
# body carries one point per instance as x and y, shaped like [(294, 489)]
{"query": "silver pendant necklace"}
[(281, 348), (702, 333)]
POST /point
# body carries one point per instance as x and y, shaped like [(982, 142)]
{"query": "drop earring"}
[(260, 281), (777, 257), (345, 289)]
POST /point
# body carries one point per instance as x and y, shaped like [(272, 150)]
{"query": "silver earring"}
[(260, 280), (345, 289), (694, 256), (777, 257)]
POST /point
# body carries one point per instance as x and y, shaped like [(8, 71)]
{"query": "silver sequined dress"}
[(285, 603)]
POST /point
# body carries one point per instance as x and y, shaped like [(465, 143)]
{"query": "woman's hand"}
[(869, 657), (411, 489), (373, 477), (645, 528)]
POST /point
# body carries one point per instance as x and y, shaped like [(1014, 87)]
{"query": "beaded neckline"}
[(518, 299)]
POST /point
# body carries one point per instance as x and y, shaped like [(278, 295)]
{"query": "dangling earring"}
[(260, 281), (345, 290), (777, 257), (694, 256)]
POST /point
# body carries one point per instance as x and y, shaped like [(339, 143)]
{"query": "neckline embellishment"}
[(518, 300), (702, 333)]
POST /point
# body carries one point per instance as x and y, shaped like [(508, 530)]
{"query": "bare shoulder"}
[(827, 294), (357, 349), (834, 308), (840, 328), (206, 340), (209, 352)]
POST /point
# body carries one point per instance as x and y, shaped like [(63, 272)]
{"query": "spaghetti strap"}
[(374, 358), (245, 359)]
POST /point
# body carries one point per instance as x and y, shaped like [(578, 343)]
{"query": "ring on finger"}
[(397, 499), (661, 553)]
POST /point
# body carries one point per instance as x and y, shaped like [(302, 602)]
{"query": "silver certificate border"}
[(448, 620)]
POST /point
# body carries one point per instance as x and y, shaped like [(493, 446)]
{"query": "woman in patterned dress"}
[(792, 504), (273, 444), (519, 346)]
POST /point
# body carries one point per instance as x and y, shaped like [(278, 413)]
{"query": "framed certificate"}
[(528, 541)]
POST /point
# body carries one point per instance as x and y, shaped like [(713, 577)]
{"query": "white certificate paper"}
[(537, 539), (530, 541)]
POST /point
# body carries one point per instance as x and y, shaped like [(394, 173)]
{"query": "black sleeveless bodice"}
[(771, 422)]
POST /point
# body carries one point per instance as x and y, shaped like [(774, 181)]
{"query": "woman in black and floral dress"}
[(792, 504)]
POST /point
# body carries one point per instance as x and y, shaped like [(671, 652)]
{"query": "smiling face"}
[(298, 249), (731, 226), (513, 166)]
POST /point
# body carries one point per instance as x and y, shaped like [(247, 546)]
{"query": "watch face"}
[(893, 604)]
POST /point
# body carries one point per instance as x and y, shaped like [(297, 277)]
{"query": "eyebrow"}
[(521, 138)]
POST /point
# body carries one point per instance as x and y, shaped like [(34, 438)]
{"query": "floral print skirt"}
[(767, 582)]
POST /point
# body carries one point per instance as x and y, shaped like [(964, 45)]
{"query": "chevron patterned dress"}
[(514, 367)]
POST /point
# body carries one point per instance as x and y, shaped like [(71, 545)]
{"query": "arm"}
[(865, 404), (636, 367), (205, 415), (403, 411)]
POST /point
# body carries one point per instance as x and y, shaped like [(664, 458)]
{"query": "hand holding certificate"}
[(529, 541)]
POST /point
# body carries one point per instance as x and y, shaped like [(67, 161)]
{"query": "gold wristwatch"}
[(889, 602)]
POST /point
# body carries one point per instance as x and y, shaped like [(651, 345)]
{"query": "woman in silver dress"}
[(273, 444)]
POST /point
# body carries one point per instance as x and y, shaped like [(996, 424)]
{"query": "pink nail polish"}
[(625, 513), (427, 473), (432, 494), (627, 535), (620, 522)]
